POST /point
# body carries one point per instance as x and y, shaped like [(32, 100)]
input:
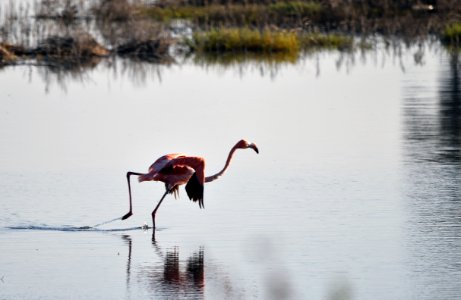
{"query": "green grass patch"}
[(332, 41), (451, 35), (244, 40)]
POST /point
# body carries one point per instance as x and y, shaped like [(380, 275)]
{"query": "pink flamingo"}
[(177, 169)]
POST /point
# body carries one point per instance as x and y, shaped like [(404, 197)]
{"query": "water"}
[(354, 195)]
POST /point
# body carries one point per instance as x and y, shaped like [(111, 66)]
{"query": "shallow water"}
[(354, 195)]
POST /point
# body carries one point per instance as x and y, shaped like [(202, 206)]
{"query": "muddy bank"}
[(81, 50)]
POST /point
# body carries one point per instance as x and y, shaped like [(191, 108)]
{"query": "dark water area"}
[(432, 156), (354, 195)]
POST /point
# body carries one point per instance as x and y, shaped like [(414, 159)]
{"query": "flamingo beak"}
[(254, 147)]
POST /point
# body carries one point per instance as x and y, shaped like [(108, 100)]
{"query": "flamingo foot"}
[(129, 214)]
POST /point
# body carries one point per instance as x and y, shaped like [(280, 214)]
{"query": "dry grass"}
[(6, 56), (115, 10), (81, 45)]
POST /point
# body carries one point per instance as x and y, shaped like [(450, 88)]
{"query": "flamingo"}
[(177, 169)]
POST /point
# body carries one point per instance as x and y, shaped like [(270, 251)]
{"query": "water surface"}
[(354, 195)]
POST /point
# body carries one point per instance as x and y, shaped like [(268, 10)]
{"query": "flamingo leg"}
[(155, 210), (130, 213)]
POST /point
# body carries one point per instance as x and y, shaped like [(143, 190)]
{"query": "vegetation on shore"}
[(135, 29), (82, 49), (413, 17), (307, 17)]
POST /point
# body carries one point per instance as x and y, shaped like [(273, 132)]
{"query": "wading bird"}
[(177, 169)]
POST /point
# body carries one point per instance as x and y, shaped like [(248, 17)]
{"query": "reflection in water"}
[(176, 279), (129, 242), (171, 277), (450, 110), (191, 278), (138, 72), (265, 63), (433, 123), (433, 179), (141, 73), (61, 74)]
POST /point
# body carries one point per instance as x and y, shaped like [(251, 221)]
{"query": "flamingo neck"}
[(217, 175)]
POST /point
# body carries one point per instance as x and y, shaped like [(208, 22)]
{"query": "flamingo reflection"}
[(173, 276), (191, 278)]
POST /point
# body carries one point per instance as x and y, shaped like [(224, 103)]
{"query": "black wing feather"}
[(194, 190)]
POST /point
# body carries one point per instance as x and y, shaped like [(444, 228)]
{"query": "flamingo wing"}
[(174, 176), (161, 162), (194, 189), (196, 181)]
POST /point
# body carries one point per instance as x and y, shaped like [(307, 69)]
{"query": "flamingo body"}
[(171, 175), (177, 169)]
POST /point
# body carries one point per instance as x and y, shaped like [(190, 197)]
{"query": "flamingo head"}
[(242, 144)]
